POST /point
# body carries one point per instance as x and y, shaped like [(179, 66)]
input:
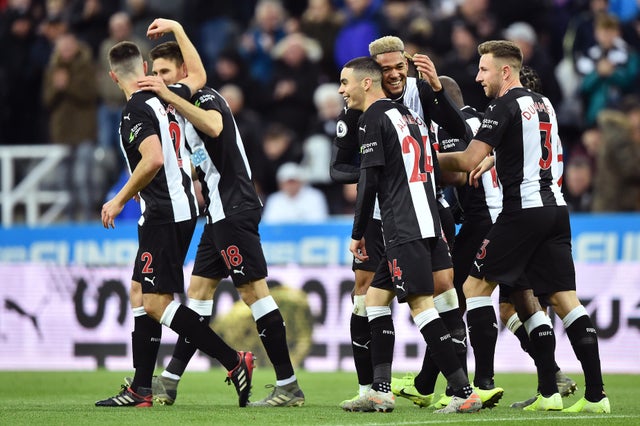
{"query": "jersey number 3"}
[(545, 142)]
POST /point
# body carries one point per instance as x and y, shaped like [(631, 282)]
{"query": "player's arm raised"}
[(197, 75)]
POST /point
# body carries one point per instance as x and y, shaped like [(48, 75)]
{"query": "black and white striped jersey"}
[(485, 201), (395, 141), (170, 196), (522, 128), (221, 162)]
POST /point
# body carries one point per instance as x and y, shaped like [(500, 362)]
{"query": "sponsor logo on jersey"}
[(368, 147), (203, 99), (134, 132)]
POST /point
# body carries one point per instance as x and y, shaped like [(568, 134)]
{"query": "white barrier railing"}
[(42, 206)]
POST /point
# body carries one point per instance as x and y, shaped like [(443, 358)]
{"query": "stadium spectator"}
[(616, 185), (609, 68), (279, 145), (475, 14), (21, 119), (70, 95), (89, 20), (322, 22), (295, 77), (364, 22), (256, 43), (295, 201), (537, 57), (577, 183)]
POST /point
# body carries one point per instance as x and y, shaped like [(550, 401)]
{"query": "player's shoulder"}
[(208, 98)]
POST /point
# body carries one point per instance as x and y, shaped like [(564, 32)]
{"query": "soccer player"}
[(427, 97), (531, 237), (480, 206), (152, 136), (396, 166), (230, 242)]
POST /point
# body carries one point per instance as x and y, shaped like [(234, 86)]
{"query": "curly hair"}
[(530, 79)]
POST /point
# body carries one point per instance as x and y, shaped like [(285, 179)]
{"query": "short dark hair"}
[(365, 66), (124, 57), (169, 50), (503, 49)]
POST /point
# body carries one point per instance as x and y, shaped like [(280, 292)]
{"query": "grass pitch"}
[(66, 398)]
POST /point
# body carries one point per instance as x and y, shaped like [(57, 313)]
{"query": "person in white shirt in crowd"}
[(295, 201)]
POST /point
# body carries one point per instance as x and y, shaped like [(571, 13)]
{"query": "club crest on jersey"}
[(341, 129)]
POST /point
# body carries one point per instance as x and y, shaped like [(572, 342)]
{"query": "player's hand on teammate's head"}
[(152, 83), (160, 27)]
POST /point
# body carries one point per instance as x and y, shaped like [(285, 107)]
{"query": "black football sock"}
[(543, 346), (182, 353), (584, 340), (272, 332), (442, 351), (382, 344), (361, 344), (145, 343), (483, 335), (455, 324), (188, 323)]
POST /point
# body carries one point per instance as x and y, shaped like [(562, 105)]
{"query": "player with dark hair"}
[(152, 139), (531, 237), (397, 169), (230, 241)]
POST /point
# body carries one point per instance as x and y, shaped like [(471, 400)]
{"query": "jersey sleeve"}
[(208, 100), (494, 124), (181, 90), (347, 129), (370, 130), (137, 124)]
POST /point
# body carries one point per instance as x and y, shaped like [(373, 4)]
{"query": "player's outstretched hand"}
[(160, 27)]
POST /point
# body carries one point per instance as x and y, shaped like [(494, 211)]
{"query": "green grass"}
[(66, 398)]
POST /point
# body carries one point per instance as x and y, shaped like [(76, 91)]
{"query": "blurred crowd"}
[(277, 63)]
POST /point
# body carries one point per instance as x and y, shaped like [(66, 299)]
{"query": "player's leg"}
[(379, 296), (510, 319), (413, 262), (272, 332), (208, 270), (364, 272), (200, 299)]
